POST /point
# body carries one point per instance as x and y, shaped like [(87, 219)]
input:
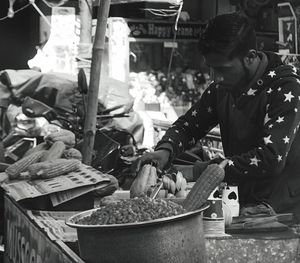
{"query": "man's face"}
[(228, 72)]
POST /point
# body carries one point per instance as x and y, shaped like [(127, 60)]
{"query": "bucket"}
[(174, 239)]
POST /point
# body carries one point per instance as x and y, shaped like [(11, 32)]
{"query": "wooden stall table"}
[(41, 236)]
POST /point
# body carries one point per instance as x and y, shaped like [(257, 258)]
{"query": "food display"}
[(133, 210), (54, 157), (174, 185)]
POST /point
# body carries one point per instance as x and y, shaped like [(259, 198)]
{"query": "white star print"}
[(269, 90), (186, 124), (288, 96), (266, 118), (279, 158), (270, 126), (209, 110), (254, 161), (230, 163), (286, 139), (267, 140), (251, 92), (280, 119), (272, 73), (194, 113), (294, 70)]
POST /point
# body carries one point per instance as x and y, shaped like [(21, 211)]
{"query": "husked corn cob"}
[(53, 168), (55, 151), (14, 170), (63, 135), (211, 177), (39, 147), (72, 153), (139, 185)]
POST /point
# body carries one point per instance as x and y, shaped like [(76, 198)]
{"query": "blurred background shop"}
[(156, 67)]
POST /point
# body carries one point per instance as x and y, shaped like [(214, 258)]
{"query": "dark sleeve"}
[(193, 125), (281, 123)]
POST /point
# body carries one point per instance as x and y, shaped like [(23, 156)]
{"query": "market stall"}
[(45, 208), (42, 236)]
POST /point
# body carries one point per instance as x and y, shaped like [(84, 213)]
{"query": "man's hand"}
[(159, 158)]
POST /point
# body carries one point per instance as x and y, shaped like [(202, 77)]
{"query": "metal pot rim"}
[(70, 221)]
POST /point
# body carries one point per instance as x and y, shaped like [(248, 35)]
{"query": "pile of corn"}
[(54, 157)]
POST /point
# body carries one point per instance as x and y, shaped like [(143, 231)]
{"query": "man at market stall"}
[(255, 100)]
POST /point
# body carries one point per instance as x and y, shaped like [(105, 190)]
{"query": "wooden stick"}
[(98, 48)]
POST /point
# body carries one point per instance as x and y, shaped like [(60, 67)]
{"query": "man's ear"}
[(251, 55)]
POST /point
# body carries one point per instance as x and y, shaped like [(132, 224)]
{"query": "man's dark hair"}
[(232, 35)]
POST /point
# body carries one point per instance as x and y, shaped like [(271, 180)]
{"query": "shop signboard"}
[(143, 29), (289, 27), (173, 2), (26, 243)]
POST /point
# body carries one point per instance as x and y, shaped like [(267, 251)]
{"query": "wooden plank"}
[(25, 241)]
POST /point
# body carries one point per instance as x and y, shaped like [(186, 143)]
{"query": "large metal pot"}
[(169, 240)]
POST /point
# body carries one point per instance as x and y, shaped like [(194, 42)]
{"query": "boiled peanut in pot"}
[(131, 211)]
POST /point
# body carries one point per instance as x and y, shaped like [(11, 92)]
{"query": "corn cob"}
[(53, 168), (55, 152), (39, 147), (109, 189), (152, 178), (72, 153), (63, 135), (151, 181), (14, 170), (210, 178), (138, 187)]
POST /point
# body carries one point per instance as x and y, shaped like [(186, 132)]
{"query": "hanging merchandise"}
[(11, 11), (32, 2)]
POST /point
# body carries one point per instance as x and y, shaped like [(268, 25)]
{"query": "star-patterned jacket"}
[(259, 131)]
